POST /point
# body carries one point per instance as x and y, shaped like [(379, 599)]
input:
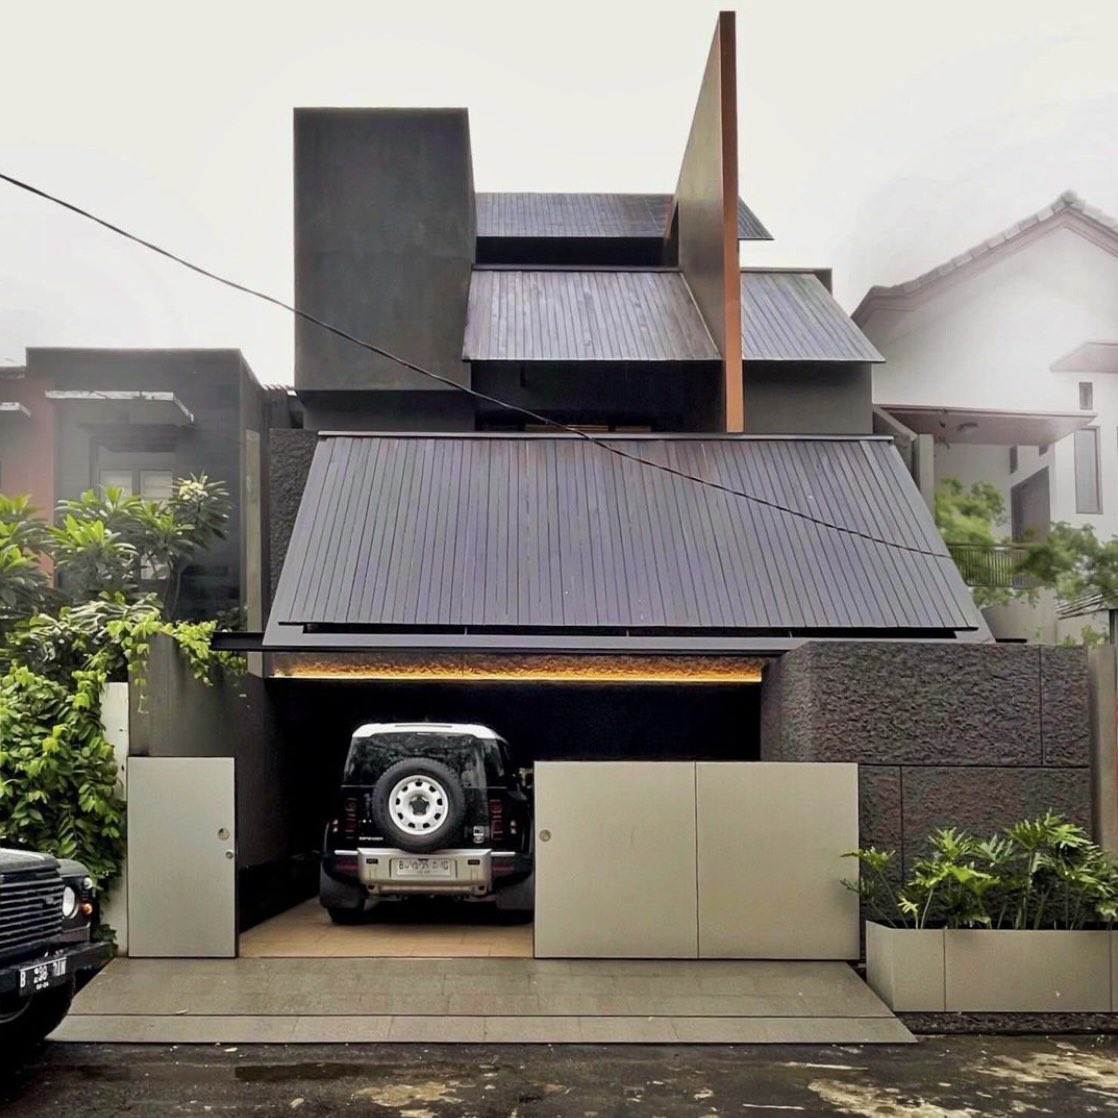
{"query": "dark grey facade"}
[(973, 736), (137, 418)]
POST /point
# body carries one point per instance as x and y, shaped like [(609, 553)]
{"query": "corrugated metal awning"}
[(791, 316), (590, 216), (534, 534), (592, 315)]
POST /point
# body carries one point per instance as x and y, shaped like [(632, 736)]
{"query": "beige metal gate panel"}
[(770, 843), (182, 869), (615, 860)]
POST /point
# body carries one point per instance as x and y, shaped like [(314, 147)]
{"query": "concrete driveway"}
[(507, 1001)]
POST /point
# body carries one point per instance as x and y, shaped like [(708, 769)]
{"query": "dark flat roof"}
[(507, 537), (588, 215)]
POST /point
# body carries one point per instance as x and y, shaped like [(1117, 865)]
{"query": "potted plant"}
[(1019, 922)]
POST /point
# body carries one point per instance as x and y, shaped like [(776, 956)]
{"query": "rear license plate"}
[(423, 867), (42, 976)]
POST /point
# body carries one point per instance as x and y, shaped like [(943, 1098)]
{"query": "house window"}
[(152, 485), (1086, 395), (1088, 495), (1013, 459)]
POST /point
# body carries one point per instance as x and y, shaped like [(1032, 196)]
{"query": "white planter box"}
[(905, 967), (1028, 972), (983, 971)]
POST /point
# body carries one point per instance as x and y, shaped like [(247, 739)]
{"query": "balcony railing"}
[(996, 566)]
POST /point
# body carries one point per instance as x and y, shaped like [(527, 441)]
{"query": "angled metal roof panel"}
[(589, 215), (791, 316), (567, 315), (514, 533)]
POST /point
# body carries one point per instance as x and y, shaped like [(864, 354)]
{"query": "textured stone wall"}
[(965, 735), (289, 462)]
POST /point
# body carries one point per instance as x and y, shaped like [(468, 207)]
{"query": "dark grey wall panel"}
[(1064, 704), (384, 242), (910, 703), (795, 399), (289, 462), (968, 735), (983, 800)]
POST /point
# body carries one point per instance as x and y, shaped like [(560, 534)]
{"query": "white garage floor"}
[(395, 931), (479, 1000)]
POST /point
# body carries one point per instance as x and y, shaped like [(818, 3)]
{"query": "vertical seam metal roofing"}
[(583, 315), (589, 215), (552, 532), (791, 316)]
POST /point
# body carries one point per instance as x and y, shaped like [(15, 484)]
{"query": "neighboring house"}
[(999, 368), (78, 419)]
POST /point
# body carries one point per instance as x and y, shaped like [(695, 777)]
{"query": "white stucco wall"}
[(988, 339)]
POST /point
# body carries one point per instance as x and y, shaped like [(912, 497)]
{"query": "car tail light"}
[(349, 819), (346, 864), (497, 819)]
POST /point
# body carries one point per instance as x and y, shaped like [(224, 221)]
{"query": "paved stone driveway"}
[(473, 1000)]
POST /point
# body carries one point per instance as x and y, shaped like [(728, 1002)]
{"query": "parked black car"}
[(45, 917), (428, 809)]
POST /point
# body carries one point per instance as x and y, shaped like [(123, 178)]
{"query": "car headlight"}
[(69, 903)]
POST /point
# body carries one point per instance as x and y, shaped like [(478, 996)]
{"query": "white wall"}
[(988, 340)]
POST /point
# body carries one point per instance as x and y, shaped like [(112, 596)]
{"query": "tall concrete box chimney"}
[(384, 243)]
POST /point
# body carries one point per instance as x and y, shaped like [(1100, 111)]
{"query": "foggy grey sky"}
[(876, 137)]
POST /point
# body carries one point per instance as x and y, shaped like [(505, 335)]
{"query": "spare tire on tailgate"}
[(418, 805)]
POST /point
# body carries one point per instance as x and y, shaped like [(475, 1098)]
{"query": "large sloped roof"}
[(496, 534), (562, 215)]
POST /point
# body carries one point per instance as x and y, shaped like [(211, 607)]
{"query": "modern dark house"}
[(718, 561), (78, 419)]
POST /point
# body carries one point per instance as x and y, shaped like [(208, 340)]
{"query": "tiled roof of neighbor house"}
[(589, 215), (1090, 357), (583, 315), (507, 533), (1067, 204), (791, 316)]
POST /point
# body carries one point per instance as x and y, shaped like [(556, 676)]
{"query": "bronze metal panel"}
[(706, 214)]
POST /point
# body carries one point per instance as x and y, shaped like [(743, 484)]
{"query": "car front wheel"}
[(24, 1022)]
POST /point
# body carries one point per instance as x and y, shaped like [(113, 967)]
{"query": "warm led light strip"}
[(520, 669)]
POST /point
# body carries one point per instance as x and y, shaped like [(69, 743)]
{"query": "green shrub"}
[(58, 778), (1039, 873)]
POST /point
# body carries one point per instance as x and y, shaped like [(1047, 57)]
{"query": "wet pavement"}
[(944, 1077)]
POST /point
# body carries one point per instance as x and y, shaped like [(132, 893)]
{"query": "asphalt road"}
[(951, 1077)]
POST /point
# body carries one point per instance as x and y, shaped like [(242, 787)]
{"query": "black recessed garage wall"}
[(541, 721)]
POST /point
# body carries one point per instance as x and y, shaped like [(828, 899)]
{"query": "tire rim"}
[(418, 805), (9, 1015)]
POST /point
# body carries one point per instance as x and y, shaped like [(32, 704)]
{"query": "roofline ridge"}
[(1066, 201)]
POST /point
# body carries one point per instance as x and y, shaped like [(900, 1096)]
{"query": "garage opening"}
[(540, 721)]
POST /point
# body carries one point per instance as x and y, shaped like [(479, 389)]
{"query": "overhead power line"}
[(609, 448)]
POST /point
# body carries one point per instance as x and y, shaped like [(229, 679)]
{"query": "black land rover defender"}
[(45, 916), (427, 809)]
